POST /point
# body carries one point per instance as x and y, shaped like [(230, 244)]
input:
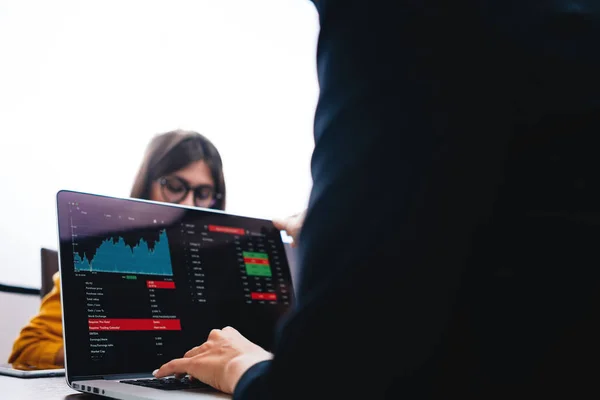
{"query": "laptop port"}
[(96, 391)]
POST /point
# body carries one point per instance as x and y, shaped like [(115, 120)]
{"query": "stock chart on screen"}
[(136, 252)]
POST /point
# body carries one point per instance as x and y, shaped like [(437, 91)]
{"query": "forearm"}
[(40, 342), (36, 349)]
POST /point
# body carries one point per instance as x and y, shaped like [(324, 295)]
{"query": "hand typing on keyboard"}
[(220, 361), (170, 383)]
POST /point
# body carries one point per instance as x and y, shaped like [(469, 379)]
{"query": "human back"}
[(452, 219)]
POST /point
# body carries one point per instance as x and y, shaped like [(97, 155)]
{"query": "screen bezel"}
[(63, 195)]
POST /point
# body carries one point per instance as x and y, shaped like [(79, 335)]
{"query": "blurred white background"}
[(84, 85)]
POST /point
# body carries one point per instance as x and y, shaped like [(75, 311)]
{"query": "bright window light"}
[(84, 85)]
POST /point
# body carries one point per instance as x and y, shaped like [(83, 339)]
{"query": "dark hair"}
[(171, 151)]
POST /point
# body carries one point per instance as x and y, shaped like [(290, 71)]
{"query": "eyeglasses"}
[(175, 189)]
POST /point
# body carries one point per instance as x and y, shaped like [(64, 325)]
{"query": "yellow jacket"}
[(42, 338)]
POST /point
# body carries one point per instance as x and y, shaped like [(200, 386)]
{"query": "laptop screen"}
[(144, 282)]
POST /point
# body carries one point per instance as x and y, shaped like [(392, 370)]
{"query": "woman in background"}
[(180, 167)]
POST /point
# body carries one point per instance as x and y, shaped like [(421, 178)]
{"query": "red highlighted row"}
[(261, 261), (160, 285), (226, 229), (125, 324), (263, 296)]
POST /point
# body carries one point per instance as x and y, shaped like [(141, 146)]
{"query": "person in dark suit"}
[(449, 249)]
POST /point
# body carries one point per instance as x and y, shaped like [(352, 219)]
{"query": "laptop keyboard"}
[(170, 383)]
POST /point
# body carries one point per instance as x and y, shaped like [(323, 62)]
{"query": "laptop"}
[(26, 371), (143, 282)]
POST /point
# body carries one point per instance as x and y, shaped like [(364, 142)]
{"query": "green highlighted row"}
[(251, 254), (258, 270)]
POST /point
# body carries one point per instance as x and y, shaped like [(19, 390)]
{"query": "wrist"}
[(59, 358), (237, 366)]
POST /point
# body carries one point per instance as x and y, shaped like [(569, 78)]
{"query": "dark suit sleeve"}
[(411, 139), (250, 385), (386, 232)]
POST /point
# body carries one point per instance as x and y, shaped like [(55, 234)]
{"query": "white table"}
[(39, 388)]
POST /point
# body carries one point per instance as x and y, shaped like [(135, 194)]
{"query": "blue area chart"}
[(117, 257)]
